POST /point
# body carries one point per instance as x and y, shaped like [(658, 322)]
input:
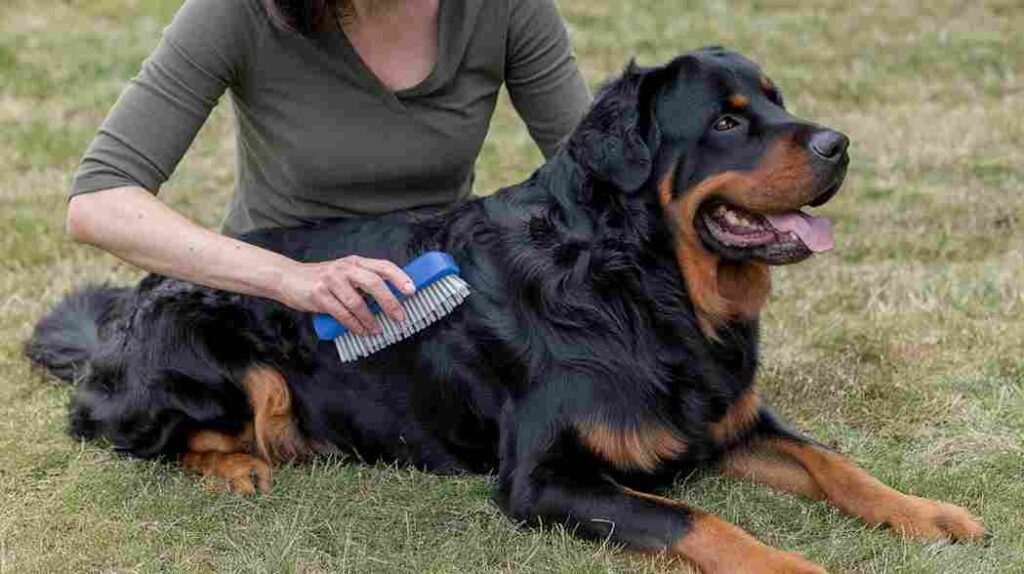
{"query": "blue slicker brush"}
[(439, 290)]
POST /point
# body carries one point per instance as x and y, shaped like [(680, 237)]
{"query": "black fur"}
[(578, 313), (66, 340)]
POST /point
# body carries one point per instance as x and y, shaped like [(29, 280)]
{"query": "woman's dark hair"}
[(304, 16)]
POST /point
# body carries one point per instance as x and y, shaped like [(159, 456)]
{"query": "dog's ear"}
[(618, 139)]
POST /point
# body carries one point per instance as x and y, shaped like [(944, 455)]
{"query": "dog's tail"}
[(65, 341)]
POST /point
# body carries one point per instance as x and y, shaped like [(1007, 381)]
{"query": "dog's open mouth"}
[(777, 238)]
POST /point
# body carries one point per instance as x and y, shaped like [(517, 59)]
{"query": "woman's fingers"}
[(343, 282), (370, 282), (390, 272), (328, 302), (344, 291)]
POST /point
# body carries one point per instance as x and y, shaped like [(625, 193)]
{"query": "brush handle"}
[(423, 271)]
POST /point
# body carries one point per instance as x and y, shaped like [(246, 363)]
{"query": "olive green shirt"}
[(319, 135)]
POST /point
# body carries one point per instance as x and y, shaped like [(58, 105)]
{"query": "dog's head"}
[(709, 137)]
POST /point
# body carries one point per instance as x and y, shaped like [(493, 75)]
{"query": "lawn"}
[(903, 348)]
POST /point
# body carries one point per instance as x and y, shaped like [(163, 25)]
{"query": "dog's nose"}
[(829, 144)]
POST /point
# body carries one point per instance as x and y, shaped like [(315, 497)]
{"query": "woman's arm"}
[(132, 224), (205, 50), (541, 74)]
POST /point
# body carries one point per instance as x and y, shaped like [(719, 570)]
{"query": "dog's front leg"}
[(556, 484), (601, 509), (242, 463), (778, 457)]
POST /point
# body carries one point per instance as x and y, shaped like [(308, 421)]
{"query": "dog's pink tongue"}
[(815, 232)]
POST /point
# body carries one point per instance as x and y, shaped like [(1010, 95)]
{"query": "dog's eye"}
[(726, 123), (775, 97)]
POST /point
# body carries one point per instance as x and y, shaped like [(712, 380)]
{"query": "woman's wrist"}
[(277, 280)]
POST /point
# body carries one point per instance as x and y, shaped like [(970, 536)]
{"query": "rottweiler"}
[(610, 342)]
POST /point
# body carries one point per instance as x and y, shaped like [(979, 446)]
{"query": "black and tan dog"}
[(610, 342)]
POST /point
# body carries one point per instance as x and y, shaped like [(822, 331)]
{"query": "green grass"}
[(904, 347)]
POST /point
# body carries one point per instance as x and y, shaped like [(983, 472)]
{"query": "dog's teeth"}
[(732, 218)]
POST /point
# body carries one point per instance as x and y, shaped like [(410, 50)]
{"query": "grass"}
[(904, 347)]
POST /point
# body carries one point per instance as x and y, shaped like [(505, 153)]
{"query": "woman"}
[(344, 108)]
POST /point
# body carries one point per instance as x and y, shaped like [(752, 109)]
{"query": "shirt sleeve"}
[(541, 74), (157, 116)]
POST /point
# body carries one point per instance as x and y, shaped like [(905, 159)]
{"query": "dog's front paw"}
[(925, 519)]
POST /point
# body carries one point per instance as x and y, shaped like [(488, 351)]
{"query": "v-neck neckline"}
[(394, 98)]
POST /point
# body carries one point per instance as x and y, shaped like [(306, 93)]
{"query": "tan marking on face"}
[(742, 413), (723, 291), (738, 101), (766, 84), (640, 449), (782, 181), (700, 267)]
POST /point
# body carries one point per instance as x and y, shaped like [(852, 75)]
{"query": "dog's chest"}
[(695, 402)]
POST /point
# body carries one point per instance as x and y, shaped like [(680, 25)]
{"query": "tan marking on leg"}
[(741, 415), (226, 459), (837, 479), (215, 441), (235, 472), (631, 449), (718, 547), (277, 438), (272, 435), (773, 469)]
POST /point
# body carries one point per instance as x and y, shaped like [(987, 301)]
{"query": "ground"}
[(903, 348)]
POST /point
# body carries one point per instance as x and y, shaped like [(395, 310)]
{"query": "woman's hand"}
[(337, 287)]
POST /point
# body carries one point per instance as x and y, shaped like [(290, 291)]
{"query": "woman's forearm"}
[(135, 226), (132, 224)]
